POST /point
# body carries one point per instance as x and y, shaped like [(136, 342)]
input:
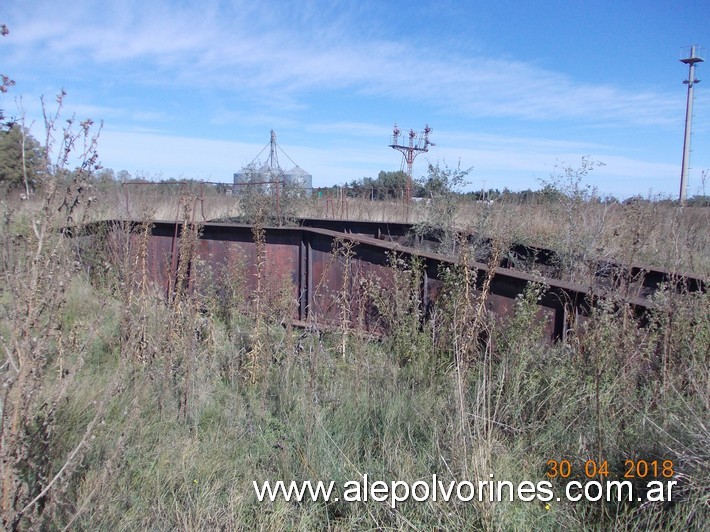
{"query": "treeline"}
[(23, 163), (393, 185), (450, 182)]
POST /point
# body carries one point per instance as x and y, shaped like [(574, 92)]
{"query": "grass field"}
[(579, 224), (121, 410)]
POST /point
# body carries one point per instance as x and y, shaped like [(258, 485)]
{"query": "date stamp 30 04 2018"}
[(633, 469)]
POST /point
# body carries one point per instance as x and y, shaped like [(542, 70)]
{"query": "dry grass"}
[(123, 408), (210, 392), (650, 233)]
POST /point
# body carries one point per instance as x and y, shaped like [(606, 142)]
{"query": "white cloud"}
[(504, 163), (257, 65), (248, 48)]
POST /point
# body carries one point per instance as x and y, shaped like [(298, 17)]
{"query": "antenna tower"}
[(418, 143), (273, 160), (690, 61), (273, 155)]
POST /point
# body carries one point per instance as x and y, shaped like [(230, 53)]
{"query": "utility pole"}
[(690, 61)]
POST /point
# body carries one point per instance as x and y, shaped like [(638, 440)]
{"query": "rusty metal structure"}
[(643, 280), (418, 143), (305, 261)]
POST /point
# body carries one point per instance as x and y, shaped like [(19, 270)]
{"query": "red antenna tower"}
[(418, 143)]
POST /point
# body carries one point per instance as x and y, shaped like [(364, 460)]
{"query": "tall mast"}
[(690, 61)]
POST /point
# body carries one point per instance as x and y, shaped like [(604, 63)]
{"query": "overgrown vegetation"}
[(134, 406)]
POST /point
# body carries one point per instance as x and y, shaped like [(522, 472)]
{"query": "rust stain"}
[(299, 265)]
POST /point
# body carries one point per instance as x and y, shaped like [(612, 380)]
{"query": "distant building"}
[(270, 173), (298, 177)]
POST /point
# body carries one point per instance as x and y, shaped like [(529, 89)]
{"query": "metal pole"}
[(690, 61)]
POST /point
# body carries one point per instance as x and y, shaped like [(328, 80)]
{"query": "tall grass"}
[(126, 407), (313, 415), (576, 222)]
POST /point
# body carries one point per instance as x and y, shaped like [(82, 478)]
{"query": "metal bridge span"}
[(302, 260)]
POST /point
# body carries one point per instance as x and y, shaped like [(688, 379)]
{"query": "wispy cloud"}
[(172, 77), (290, 51)]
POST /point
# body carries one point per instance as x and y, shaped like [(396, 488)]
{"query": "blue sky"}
[(513, 89)]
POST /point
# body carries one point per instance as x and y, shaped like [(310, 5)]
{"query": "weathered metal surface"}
[(642, 280), (321, 277), (318, 276)]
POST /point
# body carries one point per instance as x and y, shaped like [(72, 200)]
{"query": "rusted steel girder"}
[(299, 264), (647, 278)]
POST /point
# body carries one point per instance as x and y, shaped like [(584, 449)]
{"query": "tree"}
[(443, 187), (14, 171), (443, 182), (5, 81), (390, 184)]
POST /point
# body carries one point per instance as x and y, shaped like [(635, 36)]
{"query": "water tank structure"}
[(270, 173), (297, 177), (261, 174), (241, 177)]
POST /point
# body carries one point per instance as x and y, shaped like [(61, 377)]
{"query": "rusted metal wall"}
[(640, 279), (306, 266), (316, 280)]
